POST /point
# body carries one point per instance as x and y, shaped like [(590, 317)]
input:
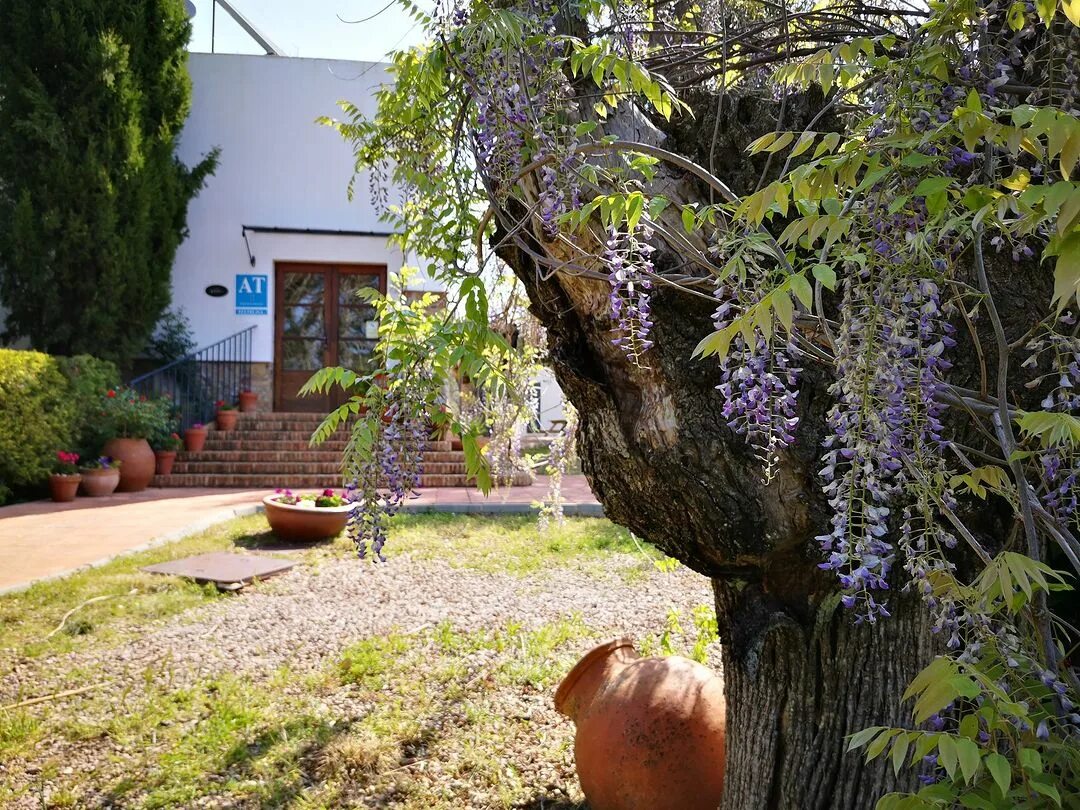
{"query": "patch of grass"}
[(19, 730), (513, 544), (28, 617)]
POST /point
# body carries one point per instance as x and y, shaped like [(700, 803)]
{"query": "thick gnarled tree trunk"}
[(799, 674)]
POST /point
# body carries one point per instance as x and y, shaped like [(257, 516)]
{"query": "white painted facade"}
[(278, 169)]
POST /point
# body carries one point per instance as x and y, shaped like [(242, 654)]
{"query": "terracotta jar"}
[(99, 483), (164, 461), (305, 524), (136, 463), (64, 487), (194, 439), (248, 400), (650, 731), (226, 420)]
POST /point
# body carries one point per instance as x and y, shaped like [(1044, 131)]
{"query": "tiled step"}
[(309, 467), (220, 442), (269, 482), (307, 454)]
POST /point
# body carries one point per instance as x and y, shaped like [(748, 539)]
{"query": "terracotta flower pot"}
[(248, 401), (64, 487), (99, 483), (650, 731), (164, 459), (136, 463), (194, 439), (226, 420), (305, 524)]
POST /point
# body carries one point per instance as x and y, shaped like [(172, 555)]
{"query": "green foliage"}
[(48, 404), (36, 417), (95, 201)]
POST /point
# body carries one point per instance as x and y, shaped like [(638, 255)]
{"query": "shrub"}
[(37, 416), (48, 404), (87, 378)]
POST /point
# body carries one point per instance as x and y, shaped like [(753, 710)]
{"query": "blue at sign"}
[(251, 295)]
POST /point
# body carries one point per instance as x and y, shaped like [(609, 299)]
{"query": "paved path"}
[(43, 540)]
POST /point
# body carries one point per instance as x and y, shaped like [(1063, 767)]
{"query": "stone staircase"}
[(269, 450)]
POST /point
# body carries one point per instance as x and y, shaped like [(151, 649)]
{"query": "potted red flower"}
[(226, 415), (64, 481), (195, 438), (165, 453), (248, 400), (132, 419)]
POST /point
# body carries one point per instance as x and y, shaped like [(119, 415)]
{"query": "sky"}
[(309, 28)]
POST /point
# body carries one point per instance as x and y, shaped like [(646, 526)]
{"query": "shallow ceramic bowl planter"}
[(305, 523), (164, 461), (99, 483), (194, 439), (226, 420), (650, 731), (136, 463), (248, 401), (63, 488)]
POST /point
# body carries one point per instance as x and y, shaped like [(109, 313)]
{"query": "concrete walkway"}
[(44, 540)]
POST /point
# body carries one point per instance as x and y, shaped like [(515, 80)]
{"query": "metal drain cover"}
[(222, 568)]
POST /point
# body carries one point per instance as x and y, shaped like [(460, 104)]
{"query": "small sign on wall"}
[(251, 295)]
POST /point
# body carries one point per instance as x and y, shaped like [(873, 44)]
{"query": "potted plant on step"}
[(100, 477), (195, 438), (248, 400), (226, 415), (309, 517), (165, 453), (132, 418), (64, 481)]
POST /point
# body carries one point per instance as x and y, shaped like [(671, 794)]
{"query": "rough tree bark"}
[(799, 675)]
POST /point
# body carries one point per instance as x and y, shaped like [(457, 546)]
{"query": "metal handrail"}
[(197, 380)]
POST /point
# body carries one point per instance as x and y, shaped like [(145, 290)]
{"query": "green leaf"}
[(861, 738), (947, 754), (656, 206), (1001, 770), (802, 289), (968, 754), (932, 185), (584, 128), (899, 752), (826, 275), (1046, 9), (688, 219)]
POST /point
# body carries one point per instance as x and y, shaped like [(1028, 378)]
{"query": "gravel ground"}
[(306, 617)]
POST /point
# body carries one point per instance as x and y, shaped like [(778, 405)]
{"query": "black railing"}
[(196, 381)]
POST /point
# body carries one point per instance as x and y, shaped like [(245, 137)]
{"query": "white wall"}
[(278, 168)]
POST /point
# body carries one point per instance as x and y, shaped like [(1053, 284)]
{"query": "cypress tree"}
[(93, 201)]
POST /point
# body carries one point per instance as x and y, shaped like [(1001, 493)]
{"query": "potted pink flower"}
[(307, 517), (65, 479), (226, 415), (195, 438)]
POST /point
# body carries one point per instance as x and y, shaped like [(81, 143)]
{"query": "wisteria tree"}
[(808, 273)]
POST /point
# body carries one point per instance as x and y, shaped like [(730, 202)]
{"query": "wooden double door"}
[(319, 320)]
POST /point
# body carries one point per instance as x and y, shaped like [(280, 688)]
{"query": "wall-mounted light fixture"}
[(251, 257)]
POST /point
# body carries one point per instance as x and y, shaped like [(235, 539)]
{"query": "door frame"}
[(330, 294)]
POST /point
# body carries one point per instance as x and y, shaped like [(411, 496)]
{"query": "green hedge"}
[(46, 404)]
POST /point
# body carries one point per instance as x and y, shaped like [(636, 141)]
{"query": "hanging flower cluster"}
[(759, 387), (628, 258), (391, 468), (560, 456), (889, 369)]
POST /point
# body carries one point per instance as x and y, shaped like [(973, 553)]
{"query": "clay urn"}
[(650, 731), (226, 418), (137, 463), (248, 401)]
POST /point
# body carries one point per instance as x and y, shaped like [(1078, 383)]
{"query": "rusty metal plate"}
[(222, 568)]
